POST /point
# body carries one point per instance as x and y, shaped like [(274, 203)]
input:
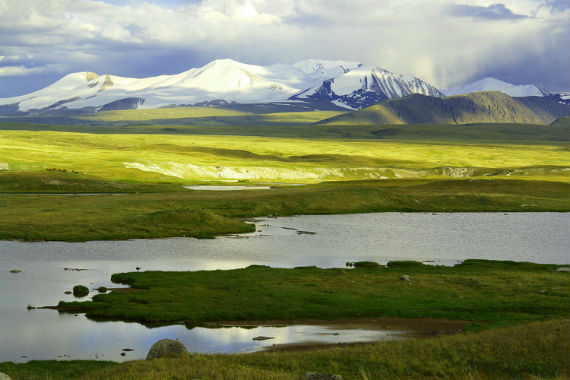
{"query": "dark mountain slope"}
[(479, 107)]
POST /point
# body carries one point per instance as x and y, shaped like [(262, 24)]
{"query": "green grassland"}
[(499, 293), (206, 214), (533, 351), (183, 158), (210, 115), (137, 162), (345, 169), (161, 113)]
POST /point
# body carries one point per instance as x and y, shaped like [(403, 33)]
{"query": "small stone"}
[(263, 337), (405, 277), (123, 354), (167, 348), (68, 292), (15, 271)]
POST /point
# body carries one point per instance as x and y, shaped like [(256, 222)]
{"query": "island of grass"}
[(490, 293)]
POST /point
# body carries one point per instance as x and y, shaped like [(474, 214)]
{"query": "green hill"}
[(478, 107)]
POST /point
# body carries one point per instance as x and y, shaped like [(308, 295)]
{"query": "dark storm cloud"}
[(491, 12)]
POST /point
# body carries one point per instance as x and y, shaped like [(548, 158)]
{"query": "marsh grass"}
[(538, 350), (499, 293), (206, 214)]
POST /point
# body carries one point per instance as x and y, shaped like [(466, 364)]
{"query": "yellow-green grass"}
[(217, 114), (183, 158), (533, 351), (161, 113)]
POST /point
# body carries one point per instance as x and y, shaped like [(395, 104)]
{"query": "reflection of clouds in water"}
[(443, 238)]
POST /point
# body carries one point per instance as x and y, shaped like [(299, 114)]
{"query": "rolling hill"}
[(479, 107)]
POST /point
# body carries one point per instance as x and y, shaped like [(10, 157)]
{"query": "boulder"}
[(405, 277), (167, 348), (3, 376), (563, 269)]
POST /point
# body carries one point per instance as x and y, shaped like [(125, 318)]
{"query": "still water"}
[(325, 241)]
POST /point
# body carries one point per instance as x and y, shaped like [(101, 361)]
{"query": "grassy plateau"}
[(121, 175)]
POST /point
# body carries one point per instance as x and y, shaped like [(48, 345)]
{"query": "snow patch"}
[(341, 104)]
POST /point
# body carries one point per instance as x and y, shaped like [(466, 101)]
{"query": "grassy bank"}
[(477, 290), (346, 169), (162, 210), (538, 350)]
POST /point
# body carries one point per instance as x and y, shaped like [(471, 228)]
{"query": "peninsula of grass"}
[(206, 214), (490, 293)]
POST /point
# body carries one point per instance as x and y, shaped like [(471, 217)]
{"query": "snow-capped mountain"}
[(366, 85), (345, 84), (493, 84)]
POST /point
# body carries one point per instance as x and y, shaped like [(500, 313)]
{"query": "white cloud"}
[(422, 37), (12, 71)]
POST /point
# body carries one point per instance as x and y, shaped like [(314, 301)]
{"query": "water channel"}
[(48, 269)]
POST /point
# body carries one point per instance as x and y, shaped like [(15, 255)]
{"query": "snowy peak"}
[(493, 84), (366, 85), (324, 68), (329, 83)]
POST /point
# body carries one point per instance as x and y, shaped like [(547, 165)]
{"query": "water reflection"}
[(335, 239)]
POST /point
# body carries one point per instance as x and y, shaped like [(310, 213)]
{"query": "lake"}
[(51, 268)]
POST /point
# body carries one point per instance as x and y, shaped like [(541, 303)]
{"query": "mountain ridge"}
[(224, 80)]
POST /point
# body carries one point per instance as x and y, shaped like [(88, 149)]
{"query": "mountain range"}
[(340, 83), (305, 85)]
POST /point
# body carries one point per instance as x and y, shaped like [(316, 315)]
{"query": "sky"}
[(444, 42)]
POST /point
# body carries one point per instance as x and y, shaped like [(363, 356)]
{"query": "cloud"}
[(442, 41), (13, 71), (491, 12), (553, 6)]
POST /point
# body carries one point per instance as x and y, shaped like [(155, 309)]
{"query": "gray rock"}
[(3, 376), (405, 277), (563, 269), (322, 376), (167, 348)]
